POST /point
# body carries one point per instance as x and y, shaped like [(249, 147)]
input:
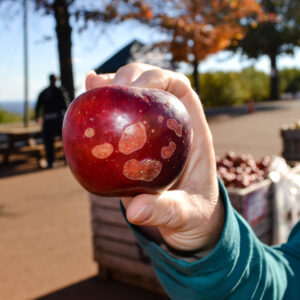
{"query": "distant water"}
[(15, 106)]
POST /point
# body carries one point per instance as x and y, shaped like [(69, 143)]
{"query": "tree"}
[(273, 38), (196, 28), (204, 27), (82, 12), (63, 11), (60, 10)]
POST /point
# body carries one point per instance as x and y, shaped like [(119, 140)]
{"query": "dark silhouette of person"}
[(50, 108)]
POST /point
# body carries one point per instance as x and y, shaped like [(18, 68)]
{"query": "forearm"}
[(240, 266)]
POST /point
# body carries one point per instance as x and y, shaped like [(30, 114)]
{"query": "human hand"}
[(190, 215)]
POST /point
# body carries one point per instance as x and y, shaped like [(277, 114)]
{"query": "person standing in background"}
[(50, 109)]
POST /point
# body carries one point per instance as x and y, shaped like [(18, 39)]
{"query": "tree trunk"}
[(63, 32), (196, 76), (274, 83)]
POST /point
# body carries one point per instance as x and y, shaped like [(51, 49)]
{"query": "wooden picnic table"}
[(17, 137)]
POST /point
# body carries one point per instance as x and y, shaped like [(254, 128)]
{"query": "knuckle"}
[(122, 69), (156, 73), (132, 65), (129, 68)]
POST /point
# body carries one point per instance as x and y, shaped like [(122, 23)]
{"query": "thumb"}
[(170, 209)]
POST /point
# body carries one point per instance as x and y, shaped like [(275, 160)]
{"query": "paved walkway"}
[(258, 133), (45, 236)]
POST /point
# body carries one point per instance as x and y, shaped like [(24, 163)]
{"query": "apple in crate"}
[(123, 141)]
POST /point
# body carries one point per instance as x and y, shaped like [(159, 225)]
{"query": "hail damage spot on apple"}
[(160, 118), (133, 138), (174, 125), (89, 132), (103, 151), (167, 151), (146, 170)]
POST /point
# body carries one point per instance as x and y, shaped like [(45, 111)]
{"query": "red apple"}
[(231, 156), (122, 141)]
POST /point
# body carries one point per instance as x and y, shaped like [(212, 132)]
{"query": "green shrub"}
[(9, 117), (233, 88), (256, 83), (221, 89), (290, 80)]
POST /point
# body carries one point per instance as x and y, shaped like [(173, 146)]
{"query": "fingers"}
[(142, 75), (124, 76), (147, 76), (179, 85), (93, 80), (175, 83), (171, 209), (186, 222), (129, 73)]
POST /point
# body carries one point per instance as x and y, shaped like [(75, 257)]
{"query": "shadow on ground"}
[(95, 288), (20, 164)]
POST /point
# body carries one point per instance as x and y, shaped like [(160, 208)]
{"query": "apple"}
[(231, 156), (240, 171), (122, 141)]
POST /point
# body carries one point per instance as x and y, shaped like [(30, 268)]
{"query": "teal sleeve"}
[(240, 266)]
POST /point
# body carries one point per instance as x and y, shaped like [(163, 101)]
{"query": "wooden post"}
[(25, 35)]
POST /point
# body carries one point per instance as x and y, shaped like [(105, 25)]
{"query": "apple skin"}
[(122, 141)]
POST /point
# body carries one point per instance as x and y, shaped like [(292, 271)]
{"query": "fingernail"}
[(91, 72), (144, 213)]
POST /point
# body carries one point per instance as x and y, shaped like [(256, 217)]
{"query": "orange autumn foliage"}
[(201, 27), (196, 28)]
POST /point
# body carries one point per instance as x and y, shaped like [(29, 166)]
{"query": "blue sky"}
[(90, 49)]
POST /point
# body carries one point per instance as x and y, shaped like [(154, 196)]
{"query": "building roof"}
[(135, 52)]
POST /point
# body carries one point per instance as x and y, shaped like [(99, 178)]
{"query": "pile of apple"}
[(293, 126), (241, 171)]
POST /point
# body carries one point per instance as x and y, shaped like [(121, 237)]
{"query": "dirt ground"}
[(46, 238)]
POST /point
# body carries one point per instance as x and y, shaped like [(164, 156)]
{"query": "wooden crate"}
[(291, 144), (255, 204), (116, 251)]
